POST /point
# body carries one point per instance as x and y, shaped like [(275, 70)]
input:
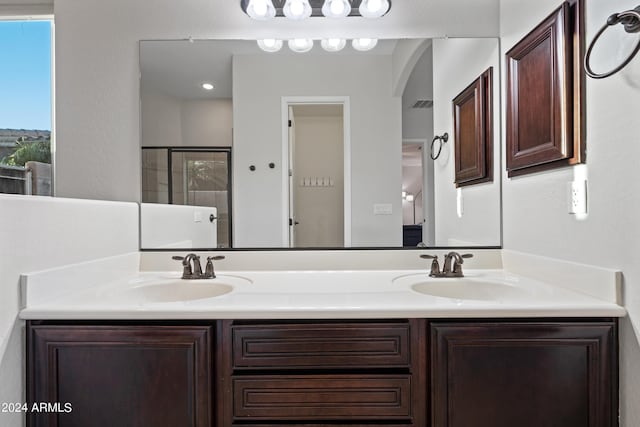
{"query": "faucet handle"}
[(209, 272), (435, 265), (186, 266), (457, 267)]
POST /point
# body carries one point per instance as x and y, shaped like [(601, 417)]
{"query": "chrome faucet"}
[(452, 265), (192, 269)]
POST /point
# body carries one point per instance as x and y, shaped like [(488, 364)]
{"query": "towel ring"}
[(443, 139), (630, 19)]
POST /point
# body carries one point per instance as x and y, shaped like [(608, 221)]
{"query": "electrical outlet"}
[(578, 197)]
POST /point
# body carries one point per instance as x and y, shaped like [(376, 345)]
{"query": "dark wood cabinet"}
[(125, 376), (473, 132), (545, 94), (325, 373), (525, 374), (322, 372)]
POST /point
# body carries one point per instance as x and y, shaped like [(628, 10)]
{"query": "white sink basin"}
[(469, 289), (173, 290), (186, 290)]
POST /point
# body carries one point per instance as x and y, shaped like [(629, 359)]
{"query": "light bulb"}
[(261, 10), (374, 5), (270, 45), (297, 9), (333, 44), (260, 7), (336, 8), (373, 8), (207, 86), (300, 45), (364, 44)]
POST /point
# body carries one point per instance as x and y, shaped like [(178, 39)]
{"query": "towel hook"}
[(630, 19), (443, 139)]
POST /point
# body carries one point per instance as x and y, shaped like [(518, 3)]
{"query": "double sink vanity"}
[(127, 341)]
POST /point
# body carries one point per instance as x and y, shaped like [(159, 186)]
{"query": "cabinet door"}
[(524, 374), (120, 375)]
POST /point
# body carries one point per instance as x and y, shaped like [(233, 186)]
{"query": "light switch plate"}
[(383, 209)]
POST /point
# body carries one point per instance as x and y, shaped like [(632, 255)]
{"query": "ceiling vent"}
[(423, 103)]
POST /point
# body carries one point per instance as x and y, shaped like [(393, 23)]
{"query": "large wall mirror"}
[(247, 149)]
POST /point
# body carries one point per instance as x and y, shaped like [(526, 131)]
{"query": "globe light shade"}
[(270, 45), (300, 45), (373, 8), (261, 10), (297, 9), (333, 45), (336, 8), (364, 44)]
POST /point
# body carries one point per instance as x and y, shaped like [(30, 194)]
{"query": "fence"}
[(33, 179)]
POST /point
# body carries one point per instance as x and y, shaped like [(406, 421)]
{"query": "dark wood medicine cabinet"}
[(545, 94), (473, 132)]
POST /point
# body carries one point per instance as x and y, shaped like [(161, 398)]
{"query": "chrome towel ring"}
[(630, 19), (443, 139)]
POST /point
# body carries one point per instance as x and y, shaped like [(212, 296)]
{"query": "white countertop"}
[(119, 293)]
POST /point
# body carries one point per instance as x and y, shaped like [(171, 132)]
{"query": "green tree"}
[(27, 151)]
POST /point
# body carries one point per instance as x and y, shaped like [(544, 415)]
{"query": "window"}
[(26, 107)]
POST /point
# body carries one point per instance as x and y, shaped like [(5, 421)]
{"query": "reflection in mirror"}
[(322, 149)]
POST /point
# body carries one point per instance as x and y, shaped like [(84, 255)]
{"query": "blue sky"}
[(25, 75)]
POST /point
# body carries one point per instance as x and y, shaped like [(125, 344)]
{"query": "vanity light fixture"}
[(300, 45), (301, 9), (333, 44), (364, 44), (208, 86), (297, 9), (270, 45)]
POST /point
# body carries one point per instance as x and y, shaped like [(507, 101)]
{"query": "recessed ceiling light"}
[(207, 86)]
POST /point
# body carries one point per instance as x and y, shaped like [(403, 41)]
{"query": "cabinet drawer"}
[(347, 345), (326, 397)]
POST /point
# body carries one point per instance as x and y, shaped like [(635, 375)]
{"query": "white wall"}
[(37, 233), (535, 206), (161, 119), (172, 122), (259, 83), (418, 122), (207, 122), (480, 222)]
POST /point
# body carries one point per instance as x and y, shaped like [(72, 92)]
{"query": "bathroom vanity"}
[(392, 372), (266, 348)]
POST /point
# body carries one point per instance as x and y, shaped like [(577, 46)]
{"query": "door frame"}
[(287, 101)]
